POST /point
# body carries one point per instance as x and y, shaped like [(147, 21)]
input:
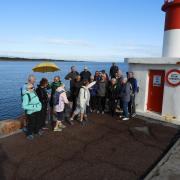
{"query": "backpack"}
[(56, 97), (29, 97)]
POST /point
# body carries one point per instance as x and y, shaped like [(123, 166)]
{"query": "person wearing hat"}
[(85, 75)]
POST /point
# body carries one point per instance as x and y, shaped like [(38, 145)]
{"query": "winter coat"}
[(133, 82), (31, 103), (62, 100), (76, 85), (113, 92), (101, 91), (71, 75), (93, 90), (119, 82), (53, 87), (83, 97), (125, 92), (85, 75), (113, 71), (43, 96)]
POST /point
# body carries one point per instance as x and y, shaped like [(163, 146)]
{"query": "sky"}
[(94, 30)]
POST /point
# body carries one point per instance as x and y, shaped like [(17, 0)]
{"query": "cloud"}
[(67, 42), (100, 53), (9, 41), (137, 50)]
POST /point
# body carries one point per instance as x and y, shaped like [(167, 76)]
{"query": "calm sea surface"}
[(14, 74)]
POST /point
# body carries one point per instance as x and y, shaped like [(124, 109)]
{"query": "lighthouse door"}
[(156, 89)]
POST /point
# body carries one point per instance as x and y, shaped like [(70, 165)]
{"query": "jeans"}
[(131, 105), (125, 109)]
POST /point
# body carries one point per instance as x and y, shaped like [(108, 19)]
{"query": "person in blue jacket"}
[(32, 106)]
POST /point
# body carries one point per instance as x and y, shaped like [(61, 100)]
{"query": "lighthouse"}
[(159, 78), (171, 42)]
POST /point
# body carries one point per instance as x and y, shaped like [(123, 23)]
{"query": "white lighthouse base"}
[(171, 95), (171, 44)]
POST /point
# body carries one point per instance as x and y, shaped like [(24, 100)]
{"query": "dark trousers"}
[(125, 109), (93, 102), (74, 100), (121, 103), (131, 105), (101, 103), (112, 106), (43, 116), (33, 123)]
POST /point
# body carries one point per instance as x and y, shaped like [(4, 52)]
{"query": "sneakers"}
[(40, 133), (102, 112), (121, 116), (133, 115), (24, 129), (62, 126), (30, 137), (125, 119), (45, 128), (56, 129), (98, 112), (71, 121)]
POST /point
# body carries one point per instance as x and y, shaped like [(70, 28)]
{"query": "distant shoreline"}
[(32, 59)]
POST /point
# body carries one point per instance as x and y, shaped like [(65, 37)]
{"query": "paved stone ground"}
[(169, 167), (107, 149)]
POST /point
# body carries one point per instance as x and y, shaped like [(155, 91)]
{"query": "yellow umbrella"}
[(46, 67)]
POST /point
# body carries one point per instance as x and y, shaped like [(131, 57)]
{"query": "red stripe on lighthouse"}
[(172, 9)]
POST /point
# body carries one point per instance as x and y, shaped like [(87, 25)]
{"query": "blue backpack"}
[(56, 97)]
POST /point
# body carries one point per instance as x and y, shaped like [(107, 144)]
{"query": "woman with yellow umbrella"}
[(49, 67)]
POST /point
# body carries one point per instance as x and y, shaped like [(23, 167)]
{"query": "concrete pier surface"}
[(169, 167), (106, 149)]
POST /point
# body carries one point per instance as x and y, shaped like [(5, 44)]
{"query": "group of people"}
[(98, 93)]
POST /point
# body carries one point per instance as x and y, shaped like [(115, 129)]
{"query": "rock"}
[(10, 126)]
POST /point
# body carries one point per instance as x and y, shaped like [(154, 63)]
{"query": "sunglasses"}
[(31, 88)]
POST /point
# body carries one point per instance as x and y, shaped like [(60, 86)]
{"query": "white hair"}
[(31, 76), (113, 79), (125, 78)]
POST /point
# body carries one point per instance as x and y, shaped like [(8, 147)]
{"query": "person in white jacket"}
[(82, 102), (59, 107)]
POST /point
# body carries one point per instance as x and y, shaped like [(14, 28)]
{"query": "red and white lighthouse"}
[(171, 44)]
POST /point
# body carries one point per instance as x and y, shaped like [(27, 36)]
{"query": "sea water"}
[(14, 74)]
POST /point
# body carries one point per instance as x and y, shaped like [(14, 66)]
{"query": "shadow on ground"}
[(107, 149), (3, 158)]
